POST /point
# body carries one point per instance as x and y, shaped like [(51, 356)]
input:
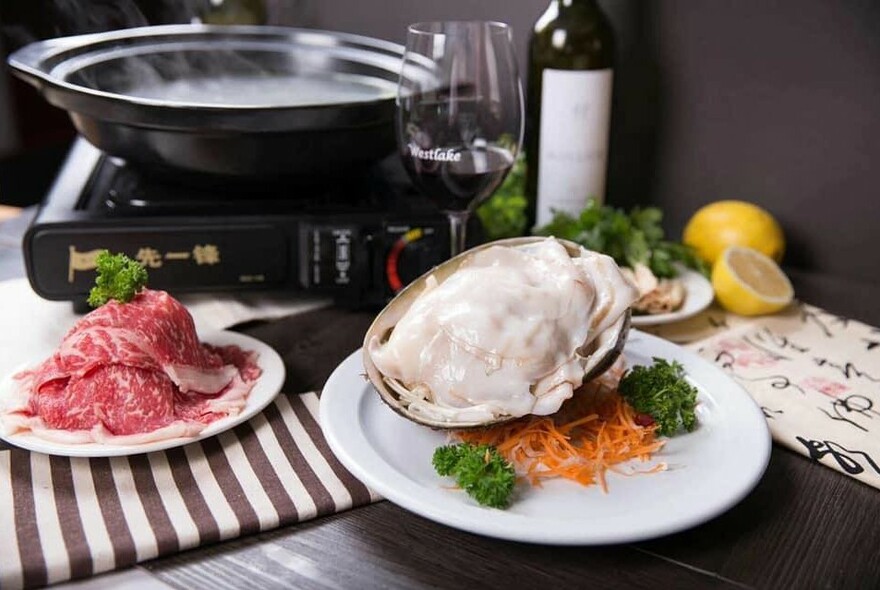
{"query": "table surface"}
[(804, 525)]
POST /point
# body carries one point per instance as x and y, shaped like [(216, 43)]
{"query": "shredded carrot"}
[(594, 432)]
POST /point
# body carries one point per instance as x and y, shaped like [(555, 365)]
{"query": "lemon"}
[(718, 225), (749, 283)]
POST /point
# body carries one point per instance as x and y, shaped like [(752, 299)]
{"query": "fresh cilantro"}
[(504, 214), (479, 470), (119, 277), (630, 238), (662, 392)]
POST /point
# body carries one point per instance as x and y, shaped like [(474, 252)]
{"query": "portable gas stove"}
[(358, 239)]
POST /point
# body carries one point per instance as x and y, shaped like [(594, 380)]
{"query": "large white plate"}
[(265, 390), (698, 296), (711, 469)]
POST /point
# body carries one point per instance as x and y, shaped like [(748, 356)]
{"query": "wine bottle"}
[(570, 75)]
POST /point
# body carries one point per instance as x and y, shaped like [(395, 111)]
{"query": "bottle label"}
[(575, 118)]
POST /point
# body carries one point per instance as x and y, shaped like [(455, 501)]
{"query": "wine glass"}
[(459, 114)]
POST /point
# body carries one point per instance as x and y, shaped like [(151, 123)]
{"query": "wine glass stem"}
[(457, 229)]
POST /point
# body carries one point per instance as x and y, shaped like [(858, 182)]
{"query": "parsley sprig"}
[(119, 277), (480, 470), (662, 392)]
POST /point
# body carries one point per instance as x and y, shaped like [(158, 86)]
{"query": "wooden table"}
[(804, 526)]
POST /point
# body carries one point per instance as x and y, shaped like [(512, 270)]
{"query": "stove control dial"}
[(413, 251)]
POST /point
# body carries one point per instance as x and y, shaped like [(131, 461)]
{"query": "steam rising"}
[(74, 17), (27, 21), (261, 91), (194, 72)]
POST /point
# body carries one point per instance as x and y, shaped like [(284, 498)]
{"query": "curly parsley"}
[(662, 392), (119, 277), (480, 470)]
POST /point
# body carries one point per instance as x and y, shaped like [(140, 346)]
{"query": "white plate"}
[(698, 296), (265, 390), (711, 469)]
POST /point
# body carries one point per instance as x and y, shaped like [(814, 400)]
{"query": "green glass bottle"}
[(570, 74)]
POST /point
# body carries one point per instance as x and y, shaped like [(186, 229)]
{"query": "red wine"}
[(457, 179)]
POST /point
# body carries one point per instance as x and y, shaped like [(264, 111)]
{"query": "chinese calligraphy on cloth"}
[(815, 375)]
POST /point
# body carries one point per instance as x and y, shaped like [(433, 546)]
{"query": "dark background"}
[(775, 102)]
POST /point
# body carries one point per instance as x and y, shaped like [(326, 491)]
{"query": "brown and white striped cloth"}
[(63, 518)]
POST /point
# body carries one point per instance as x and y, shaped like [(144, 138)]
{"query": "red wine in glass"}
[(459, 114), (460, 177)]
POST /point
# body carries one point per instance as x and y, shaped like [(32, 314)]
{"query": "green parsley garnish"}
[(480, 470), (630, 238), (662, 392), (119, 277)]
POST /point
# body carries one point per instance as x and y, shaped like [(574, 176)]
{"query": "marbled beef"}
[(134, 371)]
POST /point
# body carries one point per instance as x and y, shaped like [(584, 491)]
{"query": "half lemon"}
[(750, 283)]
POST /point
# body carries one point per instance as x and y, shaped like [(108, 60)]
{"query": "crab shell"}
[(600, 353)]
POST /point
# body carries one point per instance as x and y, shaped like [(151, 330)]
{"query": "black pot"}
[(236, 102)]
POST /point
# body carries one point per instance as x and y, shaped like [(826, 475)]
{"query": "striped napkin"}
[(65, 518)]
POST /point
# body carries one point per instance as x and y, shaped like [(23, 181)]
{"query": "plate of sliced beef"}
[(136, 377)]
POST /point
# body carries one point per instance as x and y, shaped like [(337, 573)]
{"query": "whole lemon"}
[(721, 224)]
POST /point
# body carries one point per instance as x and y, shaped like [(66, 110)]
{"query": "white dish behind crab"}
[(698, 296)]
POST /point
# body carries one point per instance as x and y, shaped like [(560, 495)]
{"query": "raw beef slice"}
[(134, 371)]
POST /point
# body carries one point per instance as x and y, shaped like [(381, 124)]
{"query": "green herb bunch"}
[(119, 277), (662, 392), (480, 470), (630, 238)]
